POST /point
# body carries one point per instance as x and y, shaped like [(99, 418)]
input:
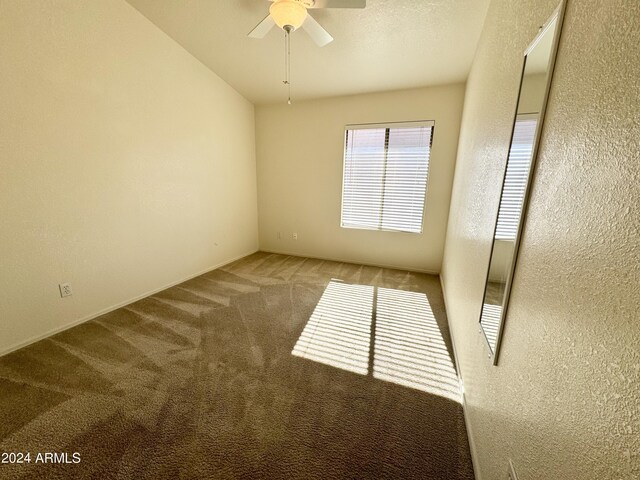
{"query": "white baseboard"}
[(344, 260), (467, 422), (74, 323)]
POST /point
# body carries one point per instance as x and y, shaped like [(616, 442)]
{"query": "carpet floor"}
[(271, 367)]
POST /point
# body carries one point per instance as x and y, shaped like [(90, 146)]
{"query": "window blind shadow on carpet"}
[(387, 333)]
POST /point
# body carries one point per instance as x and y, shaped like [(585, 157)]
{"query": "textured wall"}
[(300, 150), (563, 402), (125, 164)]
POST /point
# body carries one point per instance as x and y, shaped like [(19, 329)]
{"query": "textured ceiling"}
[(388, 45)]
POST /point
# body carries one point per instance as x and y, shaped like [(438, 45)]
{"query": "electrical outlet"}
[(279, 236), (512, 471), (295, 235), (65, 290)]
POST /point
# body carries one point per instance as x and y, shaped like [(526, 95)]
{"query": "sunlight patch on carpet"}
[(339, 330), (491, 315), (408, 348)]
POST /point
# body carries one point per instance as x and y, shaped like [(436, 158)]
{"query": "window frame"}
[(387, 126)]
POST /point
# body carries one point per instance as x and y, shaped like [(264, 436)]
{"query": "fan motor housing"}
[(306, 3)]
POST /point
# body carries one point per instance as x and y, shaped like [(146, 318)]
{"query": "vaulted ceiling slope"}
[(389, 45)]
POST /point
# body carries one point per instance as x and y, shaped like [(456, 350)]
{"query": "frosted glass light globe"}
[(288, 12)]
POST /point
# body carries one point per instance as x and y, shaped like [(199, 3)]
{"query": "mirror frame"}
[(558, 16)]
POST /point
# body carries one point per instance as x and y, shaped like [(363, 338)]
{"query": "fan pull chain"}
[(287, 62)]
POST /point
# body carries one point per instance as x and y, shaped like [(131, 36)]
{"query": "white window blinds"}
[(515, 180), (385, 176)]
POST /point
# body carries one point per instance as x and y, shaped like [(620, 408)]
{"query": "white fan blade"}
[(340, 4), (316, 32), (262, 28)]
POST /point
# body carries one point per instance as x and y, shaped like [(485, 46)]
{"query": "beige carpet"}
[(199, 381)]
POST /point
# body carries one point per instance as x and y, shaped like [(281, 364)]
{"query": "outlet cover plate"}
[(65, 290)]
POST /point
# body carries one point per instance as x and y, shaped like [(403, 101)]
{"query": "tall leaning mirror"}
[(539, 59)]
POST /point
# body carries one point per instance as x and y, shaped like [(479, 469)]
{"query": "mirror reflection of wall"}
[(533, 87), (533, 90)]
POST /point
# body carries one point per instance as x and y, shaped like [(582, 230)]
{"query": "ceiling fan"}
[(290, 15)]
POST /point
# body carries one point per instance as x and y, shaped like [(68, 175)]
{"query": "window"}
[(515, 179), (385, 176)]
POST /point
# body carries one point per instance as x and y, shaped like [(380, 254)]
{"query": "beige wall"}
[(532, 93), (300, 156), (125, 164), (501, 261), (563, 402)]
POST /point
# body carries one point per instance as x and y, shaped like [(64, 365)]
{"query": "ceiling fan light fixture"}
[(288, 13)]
